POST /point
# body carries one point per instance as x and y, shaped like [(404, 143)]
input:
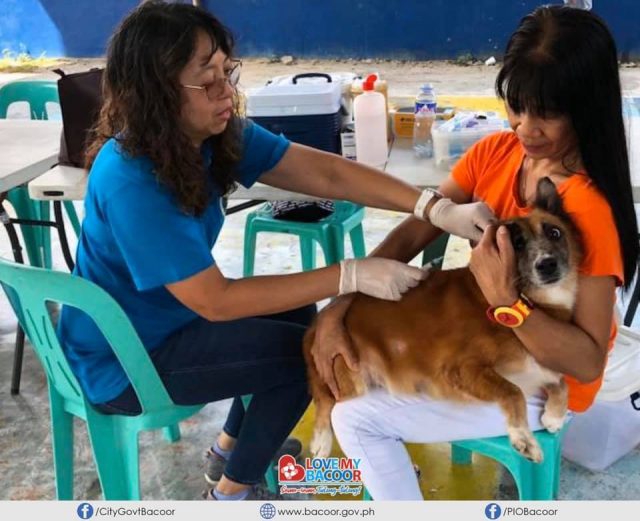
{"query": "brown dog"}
[(438, 339)]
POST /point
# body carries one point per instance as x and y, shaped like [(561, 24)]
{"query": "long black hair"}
[(142, 100), (563, 60)]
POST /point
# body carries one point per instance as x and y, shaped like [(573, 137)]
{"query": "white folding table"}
[(64, 183)]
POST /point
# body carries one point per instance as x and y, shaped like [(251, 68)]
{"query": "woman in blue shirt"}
[(168, 146)]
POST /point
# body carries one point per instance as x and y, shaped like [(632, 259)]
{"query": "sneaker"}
[(256, 493), (216, 463)]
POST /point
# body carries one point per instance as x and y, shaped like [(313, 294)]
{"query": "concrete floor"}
[(175, 471)]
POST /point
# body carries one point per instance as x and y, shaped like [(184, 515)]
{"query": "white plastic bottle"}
[(425, 115), (370, 121)]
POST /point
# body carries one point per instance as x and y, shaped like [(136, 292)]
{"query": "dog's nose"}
[(547, 266)]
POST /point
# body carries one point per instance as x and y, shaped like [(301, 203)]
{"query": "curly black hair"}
[(142, 101)]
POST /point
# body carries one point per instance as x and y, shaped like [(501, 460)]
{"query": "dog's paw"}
[(321, 443), (552, 423), (524, 442)]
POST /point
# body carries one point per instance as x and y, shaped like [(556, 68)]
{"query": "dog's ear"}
[(547, 198), (518, 240)]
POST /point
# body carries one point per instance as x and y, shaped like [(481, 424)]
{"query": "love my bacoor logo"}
[(316, 475)]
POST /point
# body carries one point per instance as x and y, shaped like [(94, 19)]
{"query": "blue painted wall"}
[(409, 29)]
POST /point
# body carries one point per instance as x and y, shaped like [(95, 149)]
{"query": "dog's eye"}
[(553, 233)]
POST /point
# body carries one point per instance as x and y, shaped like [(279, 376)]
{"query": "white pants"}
[(374, 428)]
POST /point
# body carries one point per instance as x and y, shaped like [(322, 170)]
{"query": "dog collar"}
[(511, 316)]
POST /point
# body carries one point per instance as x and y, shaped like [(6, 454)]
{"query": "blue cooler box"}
[(306, 113)]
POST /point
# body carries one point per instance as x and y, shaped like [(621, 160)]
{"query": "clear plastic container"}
[(454, 137), (370, 121)]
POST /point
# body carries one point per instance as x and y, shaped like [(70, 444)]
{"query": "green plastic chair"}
[(114, 438), (36, 93), (37, 238), (329, 232), (535, 481)]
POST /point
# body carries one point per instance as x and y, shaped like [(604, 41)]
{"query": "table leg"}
[(243, 206), (17, 255), (64, 244)]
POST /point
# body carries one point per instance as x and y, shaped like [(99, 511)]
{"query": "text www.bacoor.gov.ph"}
[(342, 512)]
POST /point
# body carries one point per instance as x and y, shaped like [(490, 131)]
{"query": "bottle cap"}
[(368, 84), (426, 87)]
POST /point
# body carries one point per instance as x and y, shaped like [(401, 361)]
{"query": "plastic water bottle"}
[(370, 121), (425, 115)]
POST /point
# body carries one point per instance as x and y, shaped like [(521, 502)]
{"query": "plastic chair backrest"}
[(35, 93), (29, 289)]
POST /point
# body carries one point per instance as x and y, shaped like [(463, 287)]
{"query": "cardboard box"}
[(403, 119)]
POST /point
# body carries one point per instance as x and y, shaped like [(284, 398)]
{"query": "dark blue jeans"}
[(209, 361)]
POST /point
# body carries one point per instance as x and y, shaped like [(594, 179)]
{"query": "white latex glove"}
[(464, 220), (381, 278)]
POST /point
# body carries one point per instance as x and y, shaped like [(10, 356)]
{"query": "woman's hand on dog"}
[(464, 220), (493, 264), (331, 339), (386, 279)]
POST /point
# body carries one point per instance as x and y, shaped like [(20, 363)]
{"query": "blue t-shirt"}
[(134, 240)]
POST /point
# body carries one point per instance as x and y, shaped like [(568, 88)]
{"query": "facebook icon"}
[(492, 511), (85, 511)]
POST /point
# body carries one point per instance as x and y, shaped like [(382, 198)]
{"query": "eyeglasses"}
[(215, 89)]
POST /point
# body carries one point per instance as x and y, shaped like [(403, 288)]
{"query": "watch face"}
[(508, 317)]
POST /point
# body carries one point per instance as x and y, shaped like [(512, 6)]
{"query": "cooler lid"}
[(622, 375), (302, 99), (343, 78)]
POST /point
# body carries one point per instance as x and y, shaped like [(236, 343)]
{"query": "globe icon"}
[(268, 511)]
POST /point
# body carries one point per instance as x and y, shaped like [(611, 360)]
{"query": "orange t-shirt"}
[(488, 172)]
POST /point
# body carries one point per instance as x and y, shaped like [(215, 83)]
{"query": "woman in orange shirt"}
[(561, 87)]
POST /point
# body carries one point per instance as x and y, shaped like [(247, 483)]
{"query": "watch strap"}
[(426, 196)]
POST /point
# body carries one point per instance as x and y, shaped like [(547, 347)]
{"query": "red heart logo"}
[(289, 470)]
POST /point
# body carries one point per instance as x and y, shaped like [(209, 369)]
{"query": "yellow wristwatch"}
[(511, 316)]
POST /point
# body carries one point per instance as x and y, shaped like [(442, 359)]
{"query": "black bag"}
[(80, 101)]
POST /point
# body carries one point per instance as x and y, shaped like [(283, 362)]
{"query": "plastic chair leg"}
[(435, 251), (172, 433), (460, 455), (250, 237), (246, 400), (25, 208), (357, 242), (115, 450), (271, 477), (45, 234), (556, 478), (337, 237), (535, 481), (308, 253), (328, 251), (62, 441), (73, 216)]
